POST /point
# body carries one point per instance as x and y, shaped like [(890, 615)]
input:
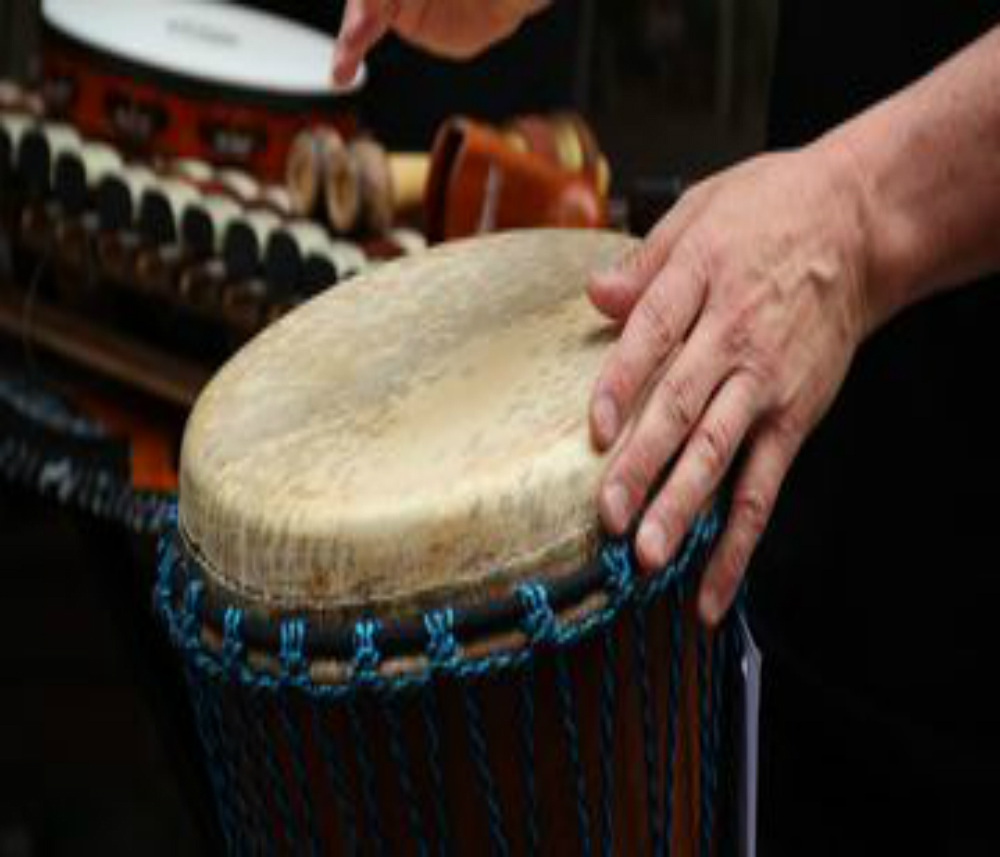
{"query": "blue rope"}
[(648, 728), (183, 617), (205, 723), (366, 776), (609, 675), (400, 758), (484, 774), (568, 705), (259, 830), (246, 791), (84, 485), (366, 654), (442, 647), (620, 584), (526, 730), (210, 745), (676, 622), (241, 816), (293, 666), (272, 770), (428, 710), (704, 748), (443, 652), (342, 797), (542, 628), (462, 669)]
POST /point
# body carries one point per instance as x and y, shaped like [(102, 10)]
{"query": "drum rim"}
[(212, 622)]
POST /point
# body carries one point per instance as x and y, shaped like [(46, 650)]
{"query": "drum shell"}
[(272, 748)]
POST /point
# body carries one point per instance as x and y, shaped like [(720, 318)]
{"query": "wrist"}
[(854, 226)]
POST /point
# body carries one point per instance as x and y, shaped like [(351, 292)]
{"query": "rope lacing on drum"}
[(539, 620), (620, 575), (366, 654), (194, 594), (189, 609), (232, 637), (292, 652), (442, 647)]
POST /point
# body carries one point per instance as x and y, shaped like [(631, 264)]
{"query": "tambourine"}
[(213, 81)]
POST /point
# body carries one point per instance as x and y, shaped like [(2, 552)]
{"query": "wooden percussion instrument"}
[(484, 180), (215, 81), (356, 185), (403, 629)]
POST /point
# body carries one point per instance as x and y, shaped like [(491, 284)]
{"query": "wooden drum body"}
[(402, 629)]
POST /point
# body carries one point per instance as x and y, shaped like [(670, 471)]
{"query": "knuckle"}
[(751, 510), (639, 467), (713, 446), (788, 429), (731, 567), (670, 512), (615, 381), (701, 254), (657, 320), (676, 401), (636, 259), (737, 339)]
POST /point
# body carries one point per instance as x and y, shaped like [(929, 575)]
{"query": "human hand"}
[(451, 28), (741, 310)]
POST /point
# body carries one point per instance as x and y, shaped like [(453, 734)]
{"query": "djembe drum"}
[(402, 629)]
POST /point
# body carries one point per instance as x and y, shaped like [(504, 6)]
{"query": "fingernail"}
[(616, 512), (709, 606), (606, 419), (652, 545)]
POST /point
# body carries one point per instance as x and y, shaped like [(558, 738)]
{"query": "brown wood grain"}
[(100, 349)]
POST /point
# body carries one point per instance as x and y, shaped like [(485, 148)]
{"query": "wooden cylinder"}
[(321, 179), (390, 182)]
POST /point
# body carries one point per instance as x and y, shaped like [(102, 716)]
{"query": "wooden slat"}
[(101, 349)]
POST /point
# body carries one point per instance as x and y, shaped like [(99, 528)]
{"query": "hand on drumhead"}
[(741, 312), (452, 28)]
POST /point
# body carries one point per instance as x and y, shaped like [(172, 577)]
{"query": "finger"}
[(673, 407), (707, 455), (615, 291), (658, 325), (363, 24), (754, 496)]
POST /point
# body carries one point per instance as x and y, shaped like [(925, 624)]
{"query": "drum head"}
[(415, 438)]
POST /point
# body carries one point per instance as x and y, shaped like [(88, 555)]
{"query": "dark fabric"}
[(875, 592)]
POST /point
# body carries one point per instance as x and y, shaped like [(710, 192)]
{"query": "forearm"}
[(926, 170)]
